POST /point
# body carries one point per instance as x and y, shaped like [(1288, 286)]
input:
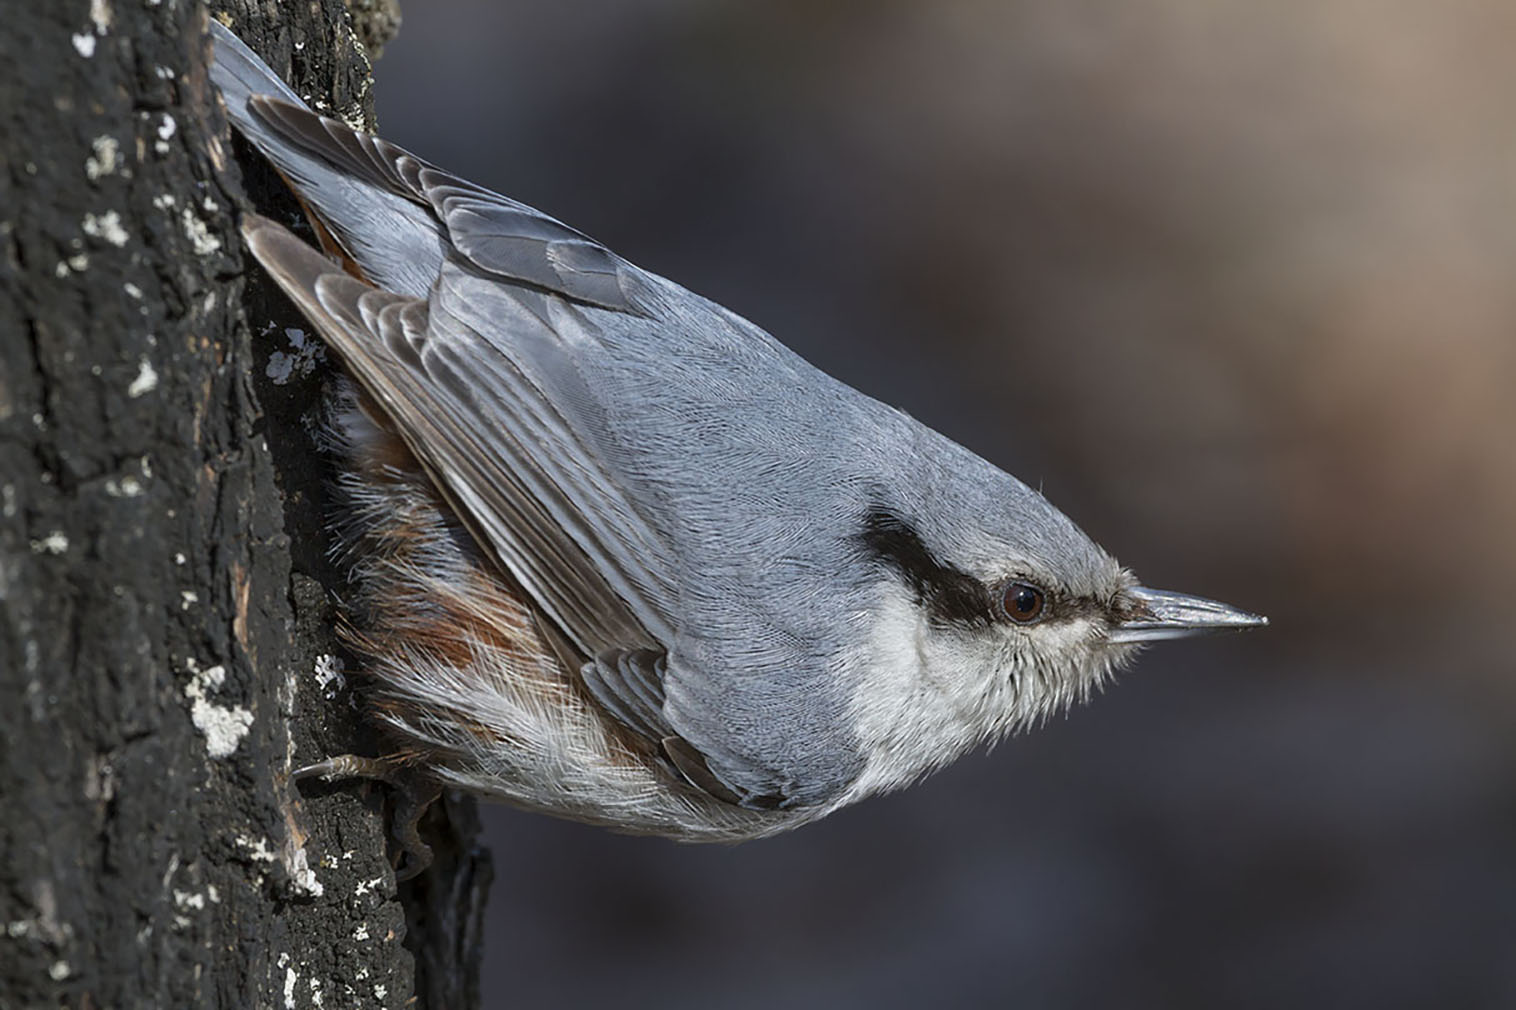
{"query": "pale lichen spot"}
[(125, 487), (256, 848), (301, 359), (55, 542), (200, 236), (106, 226), (365, 886), (223, 727), (329, 675), (105, 156), (100, 15), (145, 382), (166, 130), (302, 877)]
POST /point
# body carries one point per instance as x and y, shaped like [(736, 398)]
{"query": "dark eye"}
[(1022, 602)]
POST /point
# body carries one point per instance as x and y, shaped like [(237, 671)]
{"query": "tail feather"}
[(395, 242), (240, 74)]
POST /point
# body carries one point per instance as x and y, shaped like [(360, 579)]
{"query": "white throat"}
[(933, 693)]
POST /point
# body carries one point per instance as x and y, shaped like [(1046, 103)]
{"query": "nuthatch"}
[(626, 559)]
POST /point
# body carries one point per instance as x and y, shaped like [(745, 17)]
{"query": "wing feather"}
[(535, 497), (385, 339), (495, 233), (519, 359)]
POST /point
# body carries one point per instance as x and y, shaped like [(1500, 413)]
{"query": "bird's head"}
[(997, 610)]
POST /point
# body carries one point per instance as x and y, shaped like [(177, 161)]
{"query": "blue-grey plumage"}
[(770, 593)]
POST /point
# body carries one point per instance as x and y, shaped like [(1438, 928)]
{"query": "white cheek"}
[(1071, 662), (932, 693), (921, 702)]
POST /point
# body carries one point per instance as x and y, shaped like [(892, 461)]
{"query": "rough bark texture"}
[(165, 612)]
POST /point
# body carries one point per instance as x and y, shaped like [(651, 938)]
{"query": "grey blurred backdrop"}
[(1233, 282)]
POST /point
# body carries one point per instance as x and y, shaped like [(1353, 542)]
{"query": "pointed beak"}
[(1160, 614)]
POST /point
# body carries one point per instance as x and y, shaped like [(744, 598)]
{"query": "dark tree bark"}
[(166, 652)]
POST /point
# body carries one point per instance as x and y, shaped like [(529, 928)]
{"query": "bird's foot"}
[(414, 793)]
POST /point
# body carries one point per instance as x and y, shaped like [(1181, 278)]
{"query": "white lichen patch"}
[(201, 239), (256, 848), (55, 542), (290, 978), (188, 598), (329, 675), (365, 886), (106, 226), (145, 382), (84, 44), (100, 15), (105, 157), (304, 354), (302, 877), (166, 130), (223, 727), (132, 290), (99, 780), (189, 900), (125, 487)]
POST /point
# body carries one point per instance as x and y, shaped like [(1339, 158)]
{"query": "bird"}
[(619, 555)]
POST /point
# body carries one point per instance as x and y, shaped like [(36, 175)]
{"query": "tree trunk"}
[(166, 606)]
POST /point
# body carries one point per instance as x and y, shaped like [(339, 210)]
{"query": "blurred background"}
[(1233, 282)]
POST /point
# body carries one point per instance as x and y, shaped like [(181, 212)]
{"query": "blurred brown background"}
[(1232, 281)]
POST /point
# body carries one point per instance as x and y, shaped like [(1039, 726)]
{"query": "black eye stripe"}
[(949, 594)]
